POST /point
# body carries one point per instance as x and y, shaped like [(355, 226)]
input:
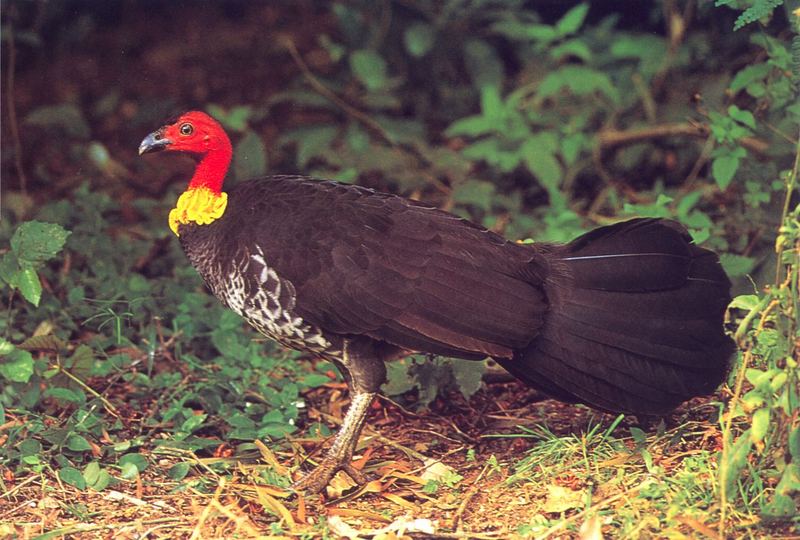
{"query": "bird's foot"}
[(316, 480)]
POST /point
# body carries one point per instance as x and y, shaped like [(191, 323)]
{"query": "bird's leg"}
[(364, 372)]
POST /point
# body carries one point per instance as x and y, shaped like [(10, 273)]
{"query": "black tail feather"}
[(635, 321)]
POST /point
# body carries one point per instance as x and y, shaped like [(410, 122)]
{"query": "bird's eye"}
[(187, 129)]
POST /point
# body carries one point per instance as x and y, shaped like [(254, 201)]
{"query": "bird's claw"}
[(316, 480)]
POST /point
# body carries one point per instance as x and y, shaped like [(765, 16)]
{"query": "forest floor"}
[(501, 465)]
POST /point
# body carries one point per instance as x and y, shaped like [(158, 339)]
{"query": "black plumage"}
[(627, 318)]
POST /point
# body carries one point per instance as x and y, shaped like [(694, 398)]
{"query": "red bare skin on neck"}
[(199, 135)]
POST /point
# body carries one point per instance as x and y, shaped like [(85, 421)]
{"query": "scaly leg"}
[(364, 372)]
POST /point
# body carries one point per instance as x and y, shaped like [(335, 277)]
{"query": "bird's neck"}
[(204, 202)]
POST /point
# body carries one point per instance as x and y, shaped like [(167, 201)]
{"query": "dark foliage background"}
[(537, 119)]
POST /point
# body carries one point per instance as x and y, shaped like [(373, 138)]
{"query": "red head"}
[(199, 135)]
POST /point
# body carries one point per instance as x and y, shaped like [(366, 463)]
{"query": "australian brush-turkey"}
[(627, 318)]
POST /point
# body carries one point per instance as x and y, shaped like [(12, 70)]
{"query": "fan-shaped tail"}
[(635, 322)]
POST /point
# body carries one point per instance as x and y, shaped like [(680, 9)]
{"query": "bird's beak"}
[(154, 142)]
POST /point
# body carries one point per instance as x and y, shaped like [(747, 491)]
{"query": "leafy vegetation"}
[(116, 366)]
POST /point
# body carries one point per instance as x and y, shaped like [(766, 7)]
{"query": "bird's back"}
[(347, 261)]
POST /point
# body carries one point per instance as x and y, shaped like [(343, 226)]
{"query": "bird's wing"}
[(369, 264)]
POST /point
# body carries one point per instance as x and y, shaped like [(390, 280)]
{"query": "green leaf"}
[(77, 443), (179, 471), (250, 159), (723, 169), (747, 302), (36, 242), (311, 141), (129, 471), (398, 380), (6, 347), (572, 20), (313, 380), (66, 118), (760, 425), (91, 472), (742, 116), (471, 126), (17, 366), (794, 444), (100, 481), (30, 447), (369, 67), (573, 47), (73, 477), (468, 376), (137, 460), (419, 39), (27, 281), (193, 422), (737, 265), (750, 74), (474, 192), (65, 394)]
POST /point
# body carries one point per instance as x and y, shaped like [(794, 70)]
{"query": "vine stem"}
[(791, 182), (12, 109), (764, 308)]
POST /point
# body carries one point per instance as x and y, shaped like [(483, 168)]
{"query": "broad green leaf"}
[(572, 20), (36, 242), (73, 477), (137, 460), (77, 443), (30, 447), (129, 471), (573, 47), (9, 266), (27, 281), (742, 116), (794, 444), (398, 380), (234, 119), (748, 75), (91, 472), (311, 141), (66, 118), (6, 347), (250, 157), (65, 394), (760, 425), (419, 39), (468, 376), (102, 482), (369, 67), (471, 126), (737, 265), (313, 380), (179, 471), (17, 366), (745, 301), (723, 169), (474, 192), (193, 422)]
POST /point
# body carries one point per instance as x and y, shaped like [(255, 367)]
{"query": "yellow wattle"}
[(197, 205)]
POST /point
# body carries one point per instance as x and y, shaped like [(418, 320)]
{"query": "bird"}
[(627, 318)]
